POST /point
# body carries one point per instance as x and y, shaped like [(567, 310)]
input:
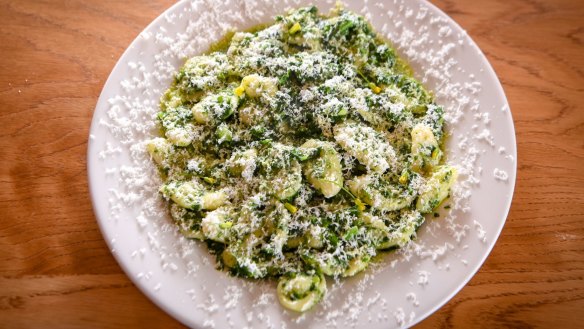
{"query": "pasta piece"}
[(356, 265), (215, 108), (401, 233), (437, 188), (365, 144), (177, 126), (252, 114), (203, 72), (191, 195), (189, 222), (181, 136), (314, 237), (379, 194), (216, 226), (301, 292), (223, 134), (255, 86), (288, 182), (213, 200), (243, 163), (159, 149), (324, 171), (425, 151)]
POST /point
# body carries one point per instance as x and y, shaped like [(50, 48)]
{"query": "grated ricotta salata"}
[(300, 151), (128, 121)]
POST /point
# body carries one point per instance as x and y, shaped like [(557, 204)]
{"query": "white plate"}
[(405, 287)]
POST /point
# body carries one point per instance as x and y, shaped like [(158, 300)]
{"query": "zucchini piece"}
[(223, 134)]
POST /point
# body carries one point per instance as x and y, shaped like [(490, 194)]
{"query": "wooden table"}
[(56, 271)]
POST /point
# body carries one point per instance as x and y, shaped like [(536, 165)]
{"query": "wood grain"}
[(56, 271)]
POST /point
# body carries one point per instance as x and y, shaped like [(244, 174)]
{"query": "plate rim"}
[(499, 88), (91, 146)]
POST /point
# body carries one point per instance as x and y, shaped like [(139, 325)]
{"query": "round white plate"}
[(403, 287)]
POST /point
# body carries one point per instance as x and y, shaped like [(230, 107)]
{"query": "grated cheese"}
[(127, 116)]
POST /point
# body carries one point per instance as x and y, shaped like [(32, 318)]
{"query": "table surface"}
[(56, 270)]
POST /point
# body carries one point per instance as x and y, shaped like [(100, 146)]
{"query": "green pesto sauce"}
[(299, 150), (223, 44)]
